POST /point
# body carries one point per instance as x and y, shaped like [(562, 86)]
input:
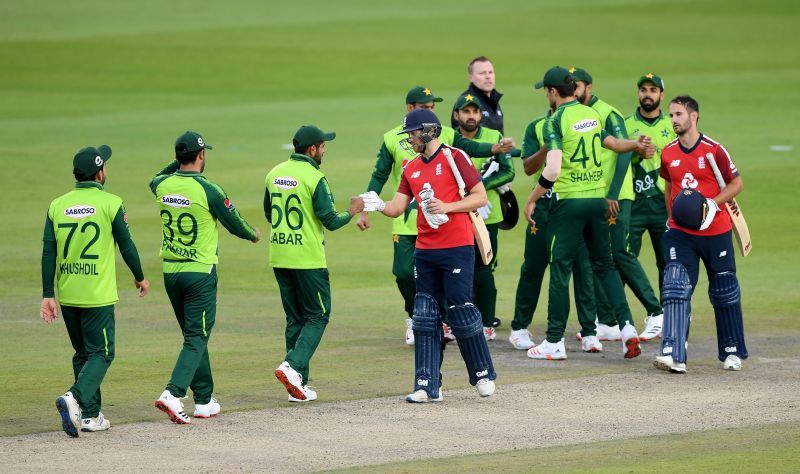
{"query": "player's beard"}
[(680, 128), (469, 125), (649, 106), (582, 98)]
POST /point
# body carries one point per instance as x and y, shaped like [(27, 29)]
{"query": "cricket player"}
[(445, 255), (298, 203), (619, 193), (574, 135), (190, 207), (480, 72), (698, 230), (496, 171), (389, 165), (649, 209), (80, 232), (536, 258)]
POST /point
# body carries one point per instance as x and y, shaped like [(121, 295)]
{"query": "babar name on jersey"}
[(176, 200), (79, 211), (285, 182), (286, 238), (585, 126)]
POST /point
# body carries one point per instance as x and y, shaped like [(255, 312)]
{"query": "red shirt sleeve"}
[(726, 166), (404, 187), (664, 172), (468, 172)]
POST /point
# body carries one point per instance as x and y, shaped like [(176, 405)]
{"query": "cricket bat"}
[(740, 229), (478, 226)]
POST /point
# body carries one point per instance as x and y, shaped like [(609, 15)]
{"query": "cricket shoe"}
[(448, 336), (496, 323), (591, 344), (521, 339), (173, 407), (98, 423), (548, 351), (668, 363), (652, 327), (485, 387), (421, 396), (608, 333), (490, 334), (70, 412), (630, 342), (409, 332), (732, 362), (207, 410), (290, 379), (310, 396)]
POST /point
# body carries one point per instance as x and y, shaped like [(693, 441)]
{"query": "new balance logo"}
[(456, 270), (675, 163), (422, 382), (415, 174)]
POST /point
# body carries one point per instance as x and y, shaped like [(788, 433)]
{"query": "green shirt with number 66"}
[(298, 203)]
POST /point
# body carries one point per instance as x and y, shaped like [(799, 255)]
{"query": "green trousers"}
[(531, 275), (194, 299), (571, 221), (484, 290), (649, 215), (91, 332), (403, 269), (306, 298), (630, 270)]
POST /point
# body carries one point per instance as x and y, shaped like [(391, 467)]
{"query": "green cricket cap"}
[(88, 161), (554, 77), (308, 135), (421, 95), (465, 100), (650, 77), (580, 74), (191, 142)]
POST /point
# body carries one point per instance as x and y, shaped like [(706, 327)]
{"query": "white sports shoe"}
[(207, 410), (291, 380), (521, 339), (608, 333), (310, 395), (173, 407), (448, 334), (652, 327), (732, 362), (548, 351), (409, 332), (98, 423), (591, 344), (421, 396), (630, 342), (485, 387), (70, 412), (490, 334), (667, 363)]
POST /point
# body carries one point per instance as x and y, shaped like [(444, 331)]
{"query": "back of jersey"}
[(85, 262), (576, 130), (189, 229)]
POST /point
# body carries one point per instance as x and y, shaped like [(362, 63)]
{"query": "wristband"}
[(546, 183)]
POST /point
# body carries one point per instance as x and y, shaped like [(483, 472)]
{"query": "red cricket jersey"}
[(687, 168), (457, 231)]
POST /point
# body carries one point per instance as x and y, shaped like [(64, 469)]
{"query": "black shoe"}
[(496, 323)]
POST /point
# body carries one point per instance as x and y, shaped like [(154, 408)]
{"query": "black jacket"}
[(490, 107)]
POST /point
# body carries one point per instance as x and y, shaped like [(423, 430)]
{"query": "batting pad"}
[(676, 295), (427, 327), (467, 326), (725, 295)]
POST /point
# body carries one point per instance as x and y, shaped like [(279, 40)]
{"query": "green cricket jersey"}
[(646, 179), (392, 158), (533, 141), (190, 206), (81, 230), (504, 175), (298, 202), (616, 169), (575, 130)]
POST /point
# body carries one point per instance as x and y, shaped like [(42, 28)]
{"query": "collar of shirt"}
[(638, 116), (428, 160), (567, 104), (689, 150), (187, 173), (88, 185), (302, 157)]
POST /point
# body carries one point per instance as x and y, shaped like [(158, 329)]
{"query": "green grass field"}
[(247, 74)]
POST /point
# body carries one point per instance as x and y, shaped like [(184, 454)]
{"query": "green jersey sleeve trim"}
[(122, 235), (48, 259), (325, 209), (383, 169), (164, 174), (268, 205), (530, 142), (552, 131), (473, 148), (220, 207), (616, 126)]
